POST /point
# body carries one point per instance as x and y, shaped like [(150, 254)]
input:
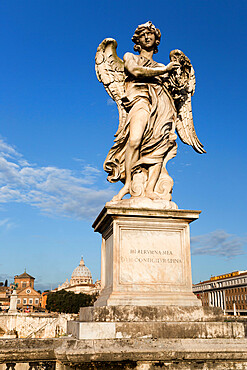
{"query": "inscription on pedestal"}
[(145, 257), (150, 257)]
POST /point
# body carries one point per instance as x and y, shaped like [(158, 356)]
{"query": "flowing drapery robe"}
[(158, 138)]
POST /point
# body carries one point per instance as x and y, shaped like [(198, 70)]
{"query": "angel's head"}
[(149, 33)]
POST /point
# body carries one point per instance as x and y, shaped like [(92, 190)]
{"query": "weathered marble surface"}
[(13, 303), (171, 354), (153, 322), (151, 313), (34, 325), (155, 329), (145, 256), (153, 101)]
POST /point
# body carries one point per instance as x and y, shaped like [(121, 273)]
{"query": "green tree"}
[(68, 302)]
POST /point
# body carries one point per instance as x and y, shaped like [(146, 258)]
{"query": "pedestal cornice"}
[(116, 209)]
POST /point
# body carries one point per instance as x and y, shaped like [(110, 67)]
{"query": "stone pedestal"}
[(145, 258), (146, 281)]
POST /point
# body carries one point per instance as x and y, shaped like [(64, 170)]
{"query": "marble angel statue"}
[(153, 101)]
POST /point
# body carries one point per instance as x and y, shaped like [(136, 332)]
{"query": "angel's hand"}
[(172, 66), (162, 66)]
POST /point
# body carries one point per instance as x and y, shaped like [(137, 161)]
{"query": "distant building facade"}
[(24, 280), (81, 281), (28, 299), (228, 291), (5, 293), (44, 296)]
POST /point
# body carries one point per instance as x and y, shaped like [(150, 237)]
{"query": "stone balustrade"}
[(34, 325), (34, 365), (138, 353)]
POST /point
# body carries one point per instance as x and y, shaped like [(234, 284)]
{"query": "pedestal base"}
[(153, 322), (109, 298), (151, 314), (145, 257)]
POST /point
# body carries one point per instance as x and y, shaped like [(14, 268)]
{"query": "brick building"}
[(24, 280), (228, 291), (28, 299), (44, 296), (4, 297)]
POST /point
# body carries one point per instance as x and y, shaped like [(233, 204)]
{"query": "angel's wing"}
[(182, 84), (110, 71)]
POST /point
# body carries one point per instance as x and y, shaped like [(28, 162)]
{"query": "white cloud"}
[(7, 150), (218, 243), (51, 189), (6, 223)]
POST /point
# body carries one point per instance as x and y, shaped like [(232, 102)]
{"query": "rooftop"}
[(24, 275), (224, 276)]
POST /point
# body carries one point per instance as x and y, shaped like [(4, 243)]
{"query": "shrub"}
[(68, 302)]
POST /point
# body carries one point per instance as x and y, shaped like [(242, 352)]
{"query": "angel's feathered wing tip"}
[(198, 146)]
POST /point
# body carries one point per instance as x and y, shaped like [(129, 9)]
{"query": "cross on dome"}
[(82, 263)]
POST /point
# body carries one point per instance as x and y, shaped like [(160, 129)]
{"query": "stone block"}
[(92, 330), (150, 313), (145, 256), (154, 330), (125, 353)]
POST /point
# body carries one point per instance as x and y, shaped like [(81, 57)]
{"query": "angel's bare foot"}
[(152, 195), (125, 190)]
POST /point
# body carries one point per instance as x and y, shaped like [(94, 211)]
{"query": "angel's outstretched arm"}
[(138, 71)]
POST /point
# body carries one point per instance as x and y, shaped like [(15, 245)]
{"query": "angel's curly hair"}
[(151, 27)]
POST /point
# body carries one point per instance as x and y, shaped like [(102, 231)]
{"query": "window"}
[(30, 300), (24, 284), (36, 300), (24, 301), (18, 301)]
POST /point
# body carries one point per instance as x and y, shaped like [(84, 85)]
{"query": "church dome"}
[(81, 274)]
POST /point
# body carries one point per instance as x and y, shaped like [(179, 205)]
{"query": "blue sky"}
[(57, 125)]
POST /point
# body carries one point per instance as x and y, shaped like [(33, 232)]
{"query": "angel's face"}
[(147, 39)]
